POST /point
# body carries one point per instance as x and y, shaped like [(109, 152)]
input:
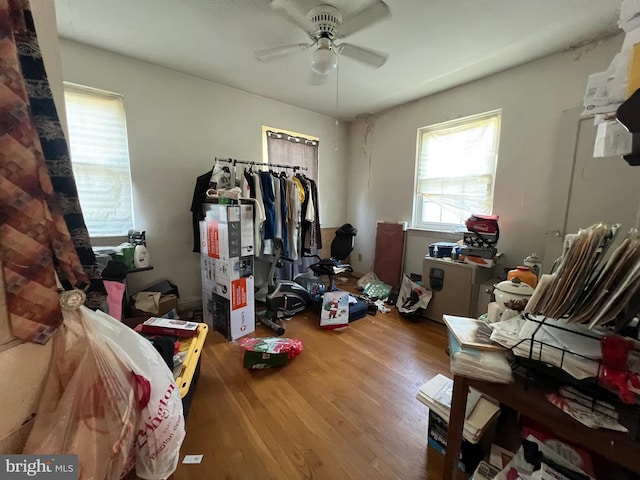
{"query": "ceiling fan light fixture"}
[(323, 60)]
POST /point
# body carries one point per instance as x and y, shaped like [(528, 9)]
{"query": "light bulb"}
[(323, 60)]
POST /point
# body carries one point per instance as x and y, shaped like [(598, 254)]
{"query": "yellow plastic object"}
[(194, 348)]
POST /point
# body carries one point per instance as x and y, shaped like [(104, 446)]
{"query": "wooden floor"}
[(345, 408)]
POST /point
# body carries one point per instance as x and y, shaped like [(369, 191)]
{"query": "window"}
[(455, 171), (290, 148), (100, 158)]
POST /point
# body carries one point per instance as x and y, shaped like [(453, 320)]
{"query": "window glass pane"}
[(431, 212), (100, 158), (456, 168)]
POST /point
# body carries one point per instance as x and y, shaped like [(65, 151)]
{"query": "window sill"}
[(443, 235), (111, 241)]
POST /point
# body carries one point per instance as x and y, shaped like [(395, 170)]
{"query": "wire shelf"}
[(534, 368)]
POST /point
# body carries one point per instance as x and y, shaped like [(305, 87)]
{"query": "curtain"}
[(286, 149), (38, 230), (457, 164), (54, 147)]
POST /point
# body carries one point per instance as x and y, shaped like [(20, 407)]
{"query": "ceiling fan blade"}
[(368, 16), (316, 78), (369, 57), (276, 53), (284, 7)]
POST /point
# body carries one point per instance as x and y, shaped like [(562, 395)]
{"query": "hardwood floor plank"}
[(345, 408)]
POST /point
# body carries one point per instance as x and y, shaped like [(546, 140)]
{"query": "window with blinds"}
[(455, 171), (100, 158)]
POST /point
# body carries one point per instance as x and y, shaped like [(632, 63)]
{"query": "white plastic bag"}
[(160, 431), (88, 406)]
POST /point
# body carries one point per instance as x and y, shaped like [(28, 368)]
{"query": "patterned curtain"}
[(56, 153), (35, 215)]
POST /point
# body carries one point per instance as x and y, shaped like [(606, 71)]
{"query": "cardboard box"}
[(167, 326), (218, 275), (228, 295), (167, 303), (227, 231), (470, 453)]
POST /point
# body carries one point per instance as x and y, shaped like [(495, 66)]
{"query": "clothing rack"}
[(260, 164)]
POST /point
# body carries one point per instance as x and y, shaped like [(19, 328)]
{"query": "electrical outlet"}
[(359, 257)]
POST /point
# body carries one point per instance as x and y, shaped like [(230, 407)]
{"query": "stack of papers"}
[(491, 366), (588, 287), (436, 394)]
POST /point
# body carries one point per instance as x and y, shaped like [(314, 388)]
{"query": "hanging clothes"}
[(275, 182), (249, 192), (315, 233), (283, 215), (33, 230), (248, 185), (294, 208), (261, 217), (197, 213), (269, 198), (305, 213)]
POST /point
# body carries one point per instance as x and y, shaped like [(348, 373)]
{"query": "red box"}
[(167, 326)]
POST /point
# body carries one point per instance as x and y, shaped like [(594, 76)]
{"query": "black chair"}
[(341, 247)]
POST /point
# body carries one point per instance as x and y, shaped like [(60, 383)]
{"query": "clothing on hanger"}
[(197, 215)]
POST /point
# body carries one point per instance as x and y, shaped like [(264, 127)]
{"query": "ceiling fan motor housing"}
[(325, 20)]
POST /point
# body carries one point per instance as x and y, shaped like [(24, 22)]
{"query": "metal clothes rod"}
[(260, 164)]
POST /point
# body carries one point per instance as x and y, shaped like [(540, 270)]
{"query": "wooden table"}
[(528, 399)]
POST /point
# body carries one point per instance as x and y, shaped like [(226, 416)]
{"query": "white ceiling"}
[(433, 44)]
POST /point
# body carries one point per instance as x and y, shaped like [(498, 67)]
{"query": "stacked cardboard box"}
[(226, 261), (479, 420)]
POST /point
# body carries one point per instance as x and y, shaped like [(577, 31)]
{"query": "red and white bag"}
[(160, 430)]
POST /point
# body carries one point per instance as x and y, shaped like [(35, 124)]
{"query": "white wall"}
[(176, 125), (382, 151)]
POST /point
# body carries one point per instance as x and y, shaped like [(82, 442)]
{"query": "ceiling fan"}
[(324, 25)]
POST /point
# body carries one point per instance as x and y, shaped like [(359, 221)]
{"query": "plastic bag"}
[(412, 298), (160, 430), (365, 280), (291, 346), (378, 289), (117, 397), (88, 406), (259, 353)]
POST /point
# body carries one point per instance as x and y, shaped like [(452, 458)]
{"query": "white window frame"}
[(418, 199), (125, 169)]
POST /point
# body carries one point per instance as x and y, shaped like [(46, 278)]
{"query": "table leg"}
[(456, 425)]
